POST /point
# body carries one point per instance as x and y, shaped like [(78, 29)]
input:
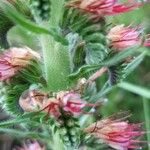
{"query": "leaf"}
[(84, 70), (6, 23), (27, 24), (135, 89), (133, 65), (120, 57), (18, 133), (76, 51), (90, 31), (103, 92), (108, 62), (11, 122)]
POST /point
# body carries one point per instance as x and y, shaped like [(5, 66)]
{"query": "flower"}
[(13, 60), (30, 145), (31, 100), (104, 7), (52, 107), (71, 102), (118, 134), (122, 37)]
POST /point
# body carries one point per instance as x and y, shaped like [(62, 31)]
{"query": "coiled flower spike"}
[(104, 7), (117, 133)]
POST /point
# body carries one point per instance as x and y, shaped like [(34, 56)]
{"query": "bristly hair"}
[(114, 74)]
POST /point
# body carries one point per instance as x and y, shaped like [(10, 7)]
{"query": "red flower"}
[(14, 59), (104, 7), (52, 107), (118, 134), (124, 37), (34, 100), (71, 102)]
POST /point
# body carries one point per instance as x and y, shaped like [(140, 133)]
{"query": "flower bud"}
[(122, 37), (71, 102), (118, 134), (13, 60), (30, 145), (102, 8), (31, 100)]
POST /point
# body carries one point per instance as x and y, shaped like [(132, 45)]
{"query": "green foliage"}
[(133, 65), (20, 83), (86, 36), (41, 9), (71, 42), (108, 62), (21, 20), (135, 89), (6, 23)]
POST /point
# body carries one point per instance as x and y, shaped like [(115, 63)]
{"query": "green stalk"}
[(56, 63), (57, 10), (56, 57), (146, 108)]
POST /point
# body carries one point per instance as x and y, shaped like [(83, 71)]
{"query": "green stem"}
[(55, 55), (56, 12), (146, 108), (56, 63)]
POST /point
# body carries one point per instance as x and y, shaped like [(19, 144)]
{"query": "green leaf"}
[(20, 19), (103, 92), (108, 62), (120, 57), (133, 65), (11, 122), (84, 70), (18, 133), (135, 89)]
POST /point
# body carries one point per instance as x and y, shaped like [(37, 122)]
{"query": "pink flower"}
[(52, 107), (31, 100), (71, 102), (122, 37), (30, 145), (104, 7), (118, 134), (34, 100), (13, 60)]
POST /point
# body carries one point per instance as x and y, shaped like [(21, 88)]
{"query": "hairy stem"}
[(97, 74), (56, 63), (146, 108), (55, 55)]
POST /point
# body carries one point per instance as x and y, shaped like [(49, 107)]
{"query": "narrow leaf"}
[(133, 65), (20, 19), (135, 89)]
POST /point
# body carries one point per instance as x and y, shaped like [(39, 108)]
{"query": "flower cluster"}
[(14, 59), (104, 7), (69, 101), (118, 134), (63, 106)]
